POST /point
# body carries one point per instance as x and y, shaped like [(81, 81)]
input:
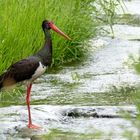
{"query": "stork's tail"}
[(1, 81), (6, 80)]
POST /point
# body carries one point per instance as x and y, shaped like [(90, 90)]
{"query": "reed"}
[(21, 34)]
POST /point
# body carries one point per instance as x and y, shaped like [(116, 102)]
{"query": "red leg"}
[(30, 125)]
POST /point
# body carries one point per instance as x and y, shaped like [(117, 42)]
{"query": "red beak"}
[(56, 29)]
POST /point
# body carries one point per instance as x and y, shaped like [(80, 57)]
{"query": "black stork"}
[(29, 69)]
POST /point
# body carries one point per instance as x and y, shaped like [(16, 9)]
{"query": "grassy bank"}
[(136, 100), (21, 34), (137, 96)]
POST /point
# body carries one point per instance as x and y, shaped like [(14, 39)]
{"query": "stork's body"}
[(31, 68)]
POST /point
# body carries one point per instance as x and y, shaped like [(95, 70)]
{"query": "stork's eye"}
[(50, 23)]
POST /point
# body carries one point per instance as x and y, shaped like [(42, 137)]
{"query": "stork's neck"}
[(45, 54)]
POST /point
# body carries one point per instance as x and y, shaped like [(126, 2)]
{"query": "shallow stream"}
[(84, 101)]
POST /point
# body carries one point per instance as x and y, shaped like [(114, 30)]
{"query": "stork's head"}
[(50, 25)]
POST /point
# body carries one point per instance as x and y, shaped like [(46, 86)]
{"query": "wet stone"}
[(91, 112), (26, 132), (80, 112)]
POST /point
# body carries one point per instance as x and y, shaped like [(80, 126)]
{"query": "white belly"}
[(39, 71)]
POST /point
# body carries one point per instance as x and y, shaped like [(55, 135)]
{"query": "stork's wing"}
[(20, 71)]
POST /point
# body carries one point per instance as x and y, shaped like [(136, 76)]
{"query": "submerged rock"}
[(80, 112)]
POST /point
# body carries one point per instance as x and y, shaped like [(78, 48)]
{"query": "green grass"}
[(136, 101), (137, 95), (56, 134), (21, 34), (131, 135)]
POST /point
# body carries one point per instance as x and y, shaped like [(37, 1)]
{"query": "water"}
[(83, 101)]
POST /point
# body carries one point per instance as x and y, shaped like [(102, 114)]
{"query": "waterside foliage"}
[(21, 34)]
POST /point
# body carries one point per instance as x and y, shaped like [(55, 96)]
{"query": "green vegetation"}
[(58, 134), (137, 97), (136, 100), (21, 34), (136, 122), (128, 19)]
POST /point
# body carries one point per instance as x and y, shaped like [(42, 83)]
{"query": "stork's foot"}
[(32, 126)]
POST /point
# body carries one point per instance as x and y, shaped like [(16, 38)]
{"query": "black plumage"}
[(20, 71), (25, 68), (30, 68)]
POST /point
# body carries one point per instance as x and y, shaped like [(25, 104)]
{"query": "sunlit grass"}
[(21, 34), (136, 101), (58, 134)]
